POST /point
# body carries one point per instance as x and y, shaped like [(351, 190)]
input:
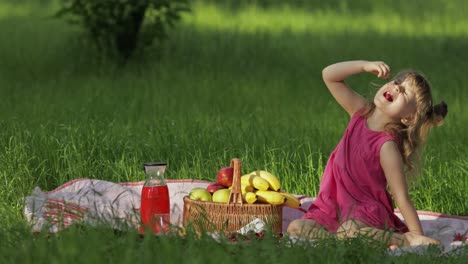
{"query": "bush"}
[(119, 27)]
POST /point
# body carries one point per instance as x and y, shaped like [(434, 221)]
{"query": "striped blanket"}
[(93, 202)]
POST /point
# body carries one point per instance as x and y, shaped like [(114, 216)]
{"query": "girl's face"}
[(397, 99)]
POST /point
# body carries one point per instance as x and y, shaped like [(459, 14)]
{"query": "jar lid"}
[(154, 164)]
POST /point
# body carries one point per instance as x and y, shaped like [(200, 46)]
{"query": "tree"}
[(121, 26)]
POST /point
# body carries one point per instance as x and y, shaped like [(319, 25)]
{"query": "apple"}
[(200, 194), (221, 196), (213, 187), (225, 176)]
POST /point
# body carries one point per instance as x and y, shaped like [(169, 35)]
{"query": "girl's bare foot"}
[(416, 240)]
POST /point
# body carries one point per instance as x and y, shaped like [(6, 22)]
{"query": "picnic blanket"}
[(95, 202)]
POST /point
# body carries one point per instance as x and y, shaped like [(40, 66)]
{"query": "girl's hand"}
[(379, 68), (413, 239)]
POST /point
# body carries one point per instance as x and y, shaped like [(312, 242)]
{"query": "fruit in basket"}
[(249, 197), (200, 194), (255, 181), (213, 187), (221, 196), (291, 200), (225, 176), (270, 197), (272, 180)]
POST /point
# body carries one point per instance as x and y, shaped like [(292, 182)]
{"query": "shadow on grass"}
[(47, 49)]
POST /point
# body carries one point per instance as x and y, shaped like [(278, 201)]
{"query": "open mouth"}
[(388, 96)]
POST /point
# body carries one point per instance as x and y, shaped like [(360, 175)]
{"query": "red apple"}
[(225, 176), (213, 187)]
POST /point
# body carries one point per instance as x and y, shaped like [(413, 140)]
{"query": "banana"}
[(270, 197), (250, 197), (255, 181), (245, 188), (291, 200), (272, 180)]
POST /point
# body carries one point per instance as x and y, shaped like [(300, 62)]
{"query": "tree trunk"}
[(126, 40)]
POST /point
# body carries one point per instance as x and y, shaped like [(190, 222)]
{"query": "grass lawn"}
[(233, 81)]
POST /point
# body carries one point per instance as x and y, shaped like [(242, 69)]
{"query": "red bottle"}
[(155, 204)]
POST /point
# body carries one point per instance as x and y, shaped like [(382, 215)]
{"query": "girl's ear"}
[(407, 121)]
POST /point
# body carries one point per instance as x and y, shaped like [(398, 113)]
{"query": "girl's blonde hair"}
[(413, 134)]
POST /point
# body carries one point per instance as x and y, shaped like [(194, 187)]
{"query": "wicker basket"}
[(230, 217)]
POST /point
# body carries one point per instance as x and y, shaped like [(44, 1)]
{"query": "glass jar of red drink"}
[(155, 204)]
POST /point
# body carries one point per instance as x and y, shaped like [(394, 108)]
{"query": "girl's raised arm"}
[(335, 74)]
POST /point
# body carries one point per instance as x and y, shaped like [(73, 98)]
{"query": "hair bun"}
[(441, 109), (439, 112)]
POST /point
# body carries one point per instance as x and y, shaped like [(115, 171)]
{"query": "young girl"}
[(378, 147)]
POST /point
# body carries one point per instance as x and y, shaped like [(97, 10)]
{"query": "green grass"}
[(232, 82), (395, 19)]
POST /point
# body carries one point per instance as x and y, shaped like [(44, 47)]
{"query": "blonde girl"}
[(379, 147)]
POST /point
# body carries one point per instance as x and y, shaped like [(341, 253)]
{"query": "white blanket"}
[(93, 202)]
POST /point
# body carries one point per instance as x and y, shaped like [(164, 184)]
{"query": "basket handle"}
[(236, 195)]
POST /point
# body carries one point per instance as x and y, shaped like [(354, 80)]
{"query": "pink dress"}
[(354, 185)]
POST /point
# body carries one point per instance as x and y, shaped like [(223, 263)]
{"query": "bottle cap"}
[(150, 164), (154, 167)]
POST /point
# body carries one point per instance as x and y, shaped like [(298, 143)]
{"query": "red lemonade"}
[(155, 209)]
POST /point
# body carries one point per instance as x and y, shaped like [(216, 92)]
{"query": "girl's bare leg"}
[(307, 228), (349, 228), (354, 228), (393, 240)]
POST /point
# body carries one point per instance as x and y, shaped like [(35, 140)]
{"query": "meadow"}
[(233, 80)]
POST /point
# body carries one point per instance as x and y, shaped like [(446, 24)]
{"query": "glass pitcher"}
[(155, 204)]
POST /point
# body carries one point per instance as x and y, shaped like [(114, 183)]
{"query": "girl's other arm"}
[(335, 74), (392, 165)]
